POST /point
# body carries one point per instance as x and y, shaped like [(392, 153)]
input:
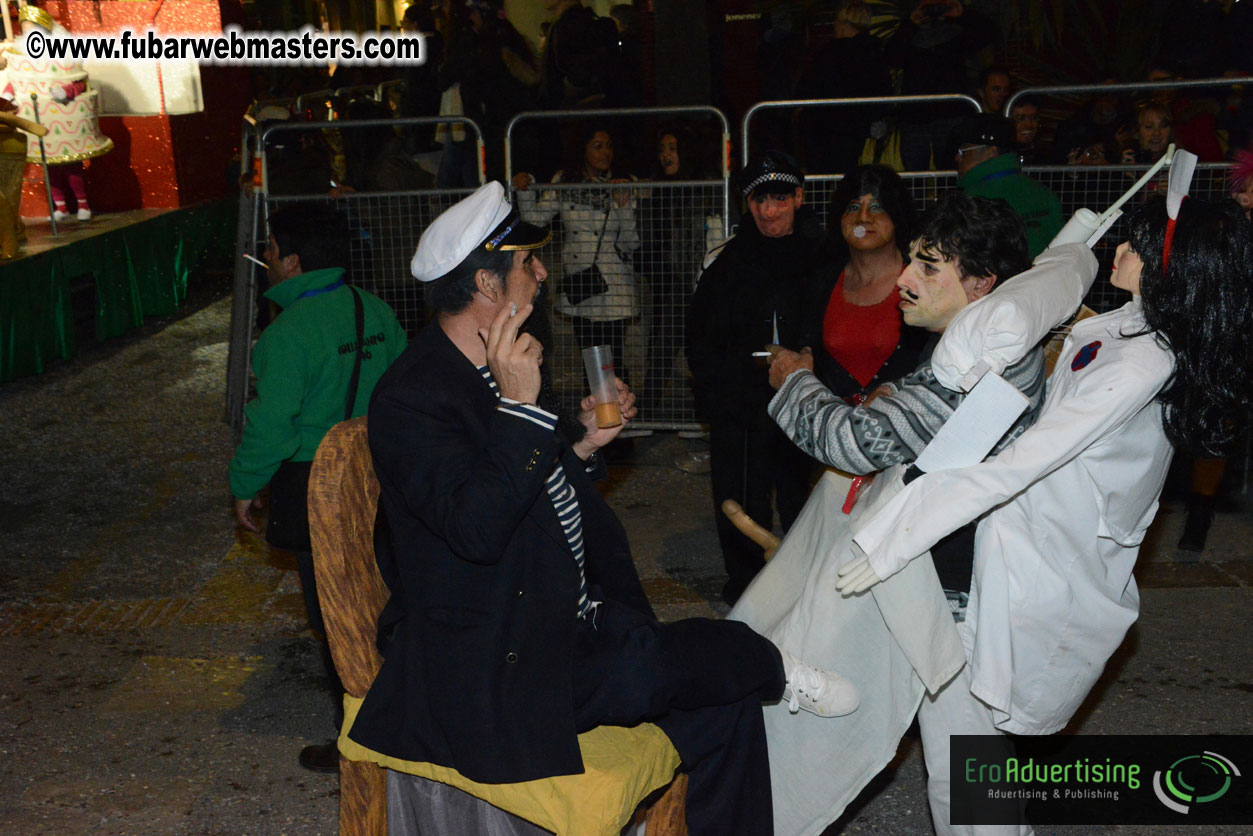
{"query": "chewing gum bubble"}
[(859, 231)]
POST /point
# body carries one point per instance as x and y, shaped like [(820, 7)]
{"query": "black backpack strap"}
[(356, 365)]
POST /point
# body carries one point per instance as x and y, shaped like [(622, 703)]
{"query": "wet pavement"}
[(159, 677)]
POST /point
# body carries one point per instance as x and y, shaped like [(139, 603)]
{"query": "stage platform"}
[(113, 270)]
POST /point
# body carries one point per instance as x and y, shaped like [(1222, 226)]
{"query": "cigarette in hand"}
[(513, 311)]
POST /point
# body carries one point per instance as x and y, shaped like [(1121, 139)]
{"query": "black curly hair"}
[(983, 235), (1201, 309), (453, 292)]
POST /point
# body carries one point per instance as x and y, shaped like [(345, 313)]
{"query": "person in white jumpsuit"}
[(905, 641), (1068, 504)]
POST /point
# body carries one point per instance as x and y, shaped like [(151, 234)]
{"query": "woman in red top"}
[(857, 335)]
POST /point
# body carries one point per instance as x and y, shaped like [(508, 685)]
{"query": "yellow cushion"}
[(622, 766)]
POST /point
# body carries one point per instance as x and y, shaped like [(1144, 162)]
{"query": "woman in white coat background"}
[(1069, 502), (597, 289)]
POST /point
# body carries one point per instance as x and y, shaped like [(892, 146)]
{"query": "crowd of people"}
[(517, 618), (933, 49), (481, 67)]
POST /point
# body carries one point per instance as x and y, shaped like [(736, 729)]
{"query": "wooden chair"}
[(343, 497)]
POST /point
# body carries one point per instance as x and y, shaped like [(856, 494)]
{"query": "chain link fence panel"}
[(650, 255), (647, 242)]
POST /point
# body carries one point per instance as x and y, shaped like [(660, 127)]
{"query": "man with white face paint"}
[(900, 643), (965, 245), (751, 295)]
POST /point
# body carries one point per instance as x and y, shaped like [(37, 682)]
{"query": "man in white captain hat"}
[(516, 618)]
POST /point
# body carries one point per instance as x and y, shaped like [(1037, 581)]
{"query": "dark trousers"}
[(702, 682), (309, 586), (749, 464), (288, 528)]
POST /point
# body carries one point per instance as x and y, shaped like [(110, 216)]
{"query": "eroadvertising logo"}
[(1086, 779), (1194, 779)]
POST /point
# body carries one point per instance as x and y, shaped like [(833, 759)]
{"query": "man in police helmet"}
[(749, 296)]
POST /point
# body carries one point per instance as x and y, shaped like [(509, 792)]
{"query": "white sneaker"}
[(59, 215), (820, 692), (84, 214)]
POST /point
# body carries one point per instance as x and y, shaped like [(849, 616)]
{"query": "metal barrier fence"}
[(647, 241), (651, 253), (239, 344), (898, 103), (1067, 90), (385, 228)]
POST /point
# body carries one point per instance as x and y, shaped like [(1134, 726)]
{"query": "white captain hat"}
[(484, 220)]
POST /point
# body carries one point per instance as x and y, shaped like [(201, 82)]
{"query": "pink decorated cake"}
[(73, 126)]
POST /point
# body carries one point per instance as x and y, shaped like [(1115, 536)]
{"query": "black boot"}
[(1195, 529)]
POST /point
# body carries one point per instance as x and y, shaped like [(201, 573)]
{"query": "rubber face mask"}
[(931, 290)]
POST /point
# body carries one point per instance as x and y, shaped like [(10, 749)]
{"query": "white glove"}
[(856, 577)]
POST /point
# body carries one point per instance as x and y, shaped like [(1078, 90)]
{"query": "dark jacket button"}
[(511, 657)]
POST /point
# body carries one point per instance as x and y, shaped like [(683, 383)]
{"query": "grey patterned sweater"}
[(894, 427)]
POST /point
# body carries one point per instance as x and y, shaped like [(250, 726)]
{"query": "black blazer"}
[(478, 635)]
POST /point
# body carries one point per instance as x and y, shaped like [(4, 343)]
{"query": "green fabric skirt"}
[(138, 270)]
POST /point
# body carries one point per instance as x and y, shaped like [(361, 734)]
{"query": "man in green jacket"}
[(315, 366), (988, 166)]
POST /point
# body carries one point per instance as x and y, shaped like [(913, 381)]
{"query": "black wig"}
[(1201, 309), (890, 190)]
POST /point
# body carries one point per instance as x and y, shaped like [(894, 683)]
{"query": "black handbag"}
[(288, 525), (587, 282)]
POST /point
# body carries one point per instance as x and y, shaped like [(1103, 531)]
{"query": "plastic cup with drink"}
[(598, 360)]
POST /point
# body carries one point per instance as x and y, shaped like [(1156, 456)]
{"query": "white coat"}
[(894, 643), (1067, 506), (584, 214)]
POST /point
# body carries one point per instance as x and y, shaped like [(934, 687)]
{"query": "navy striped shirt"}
[(560, 491)]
